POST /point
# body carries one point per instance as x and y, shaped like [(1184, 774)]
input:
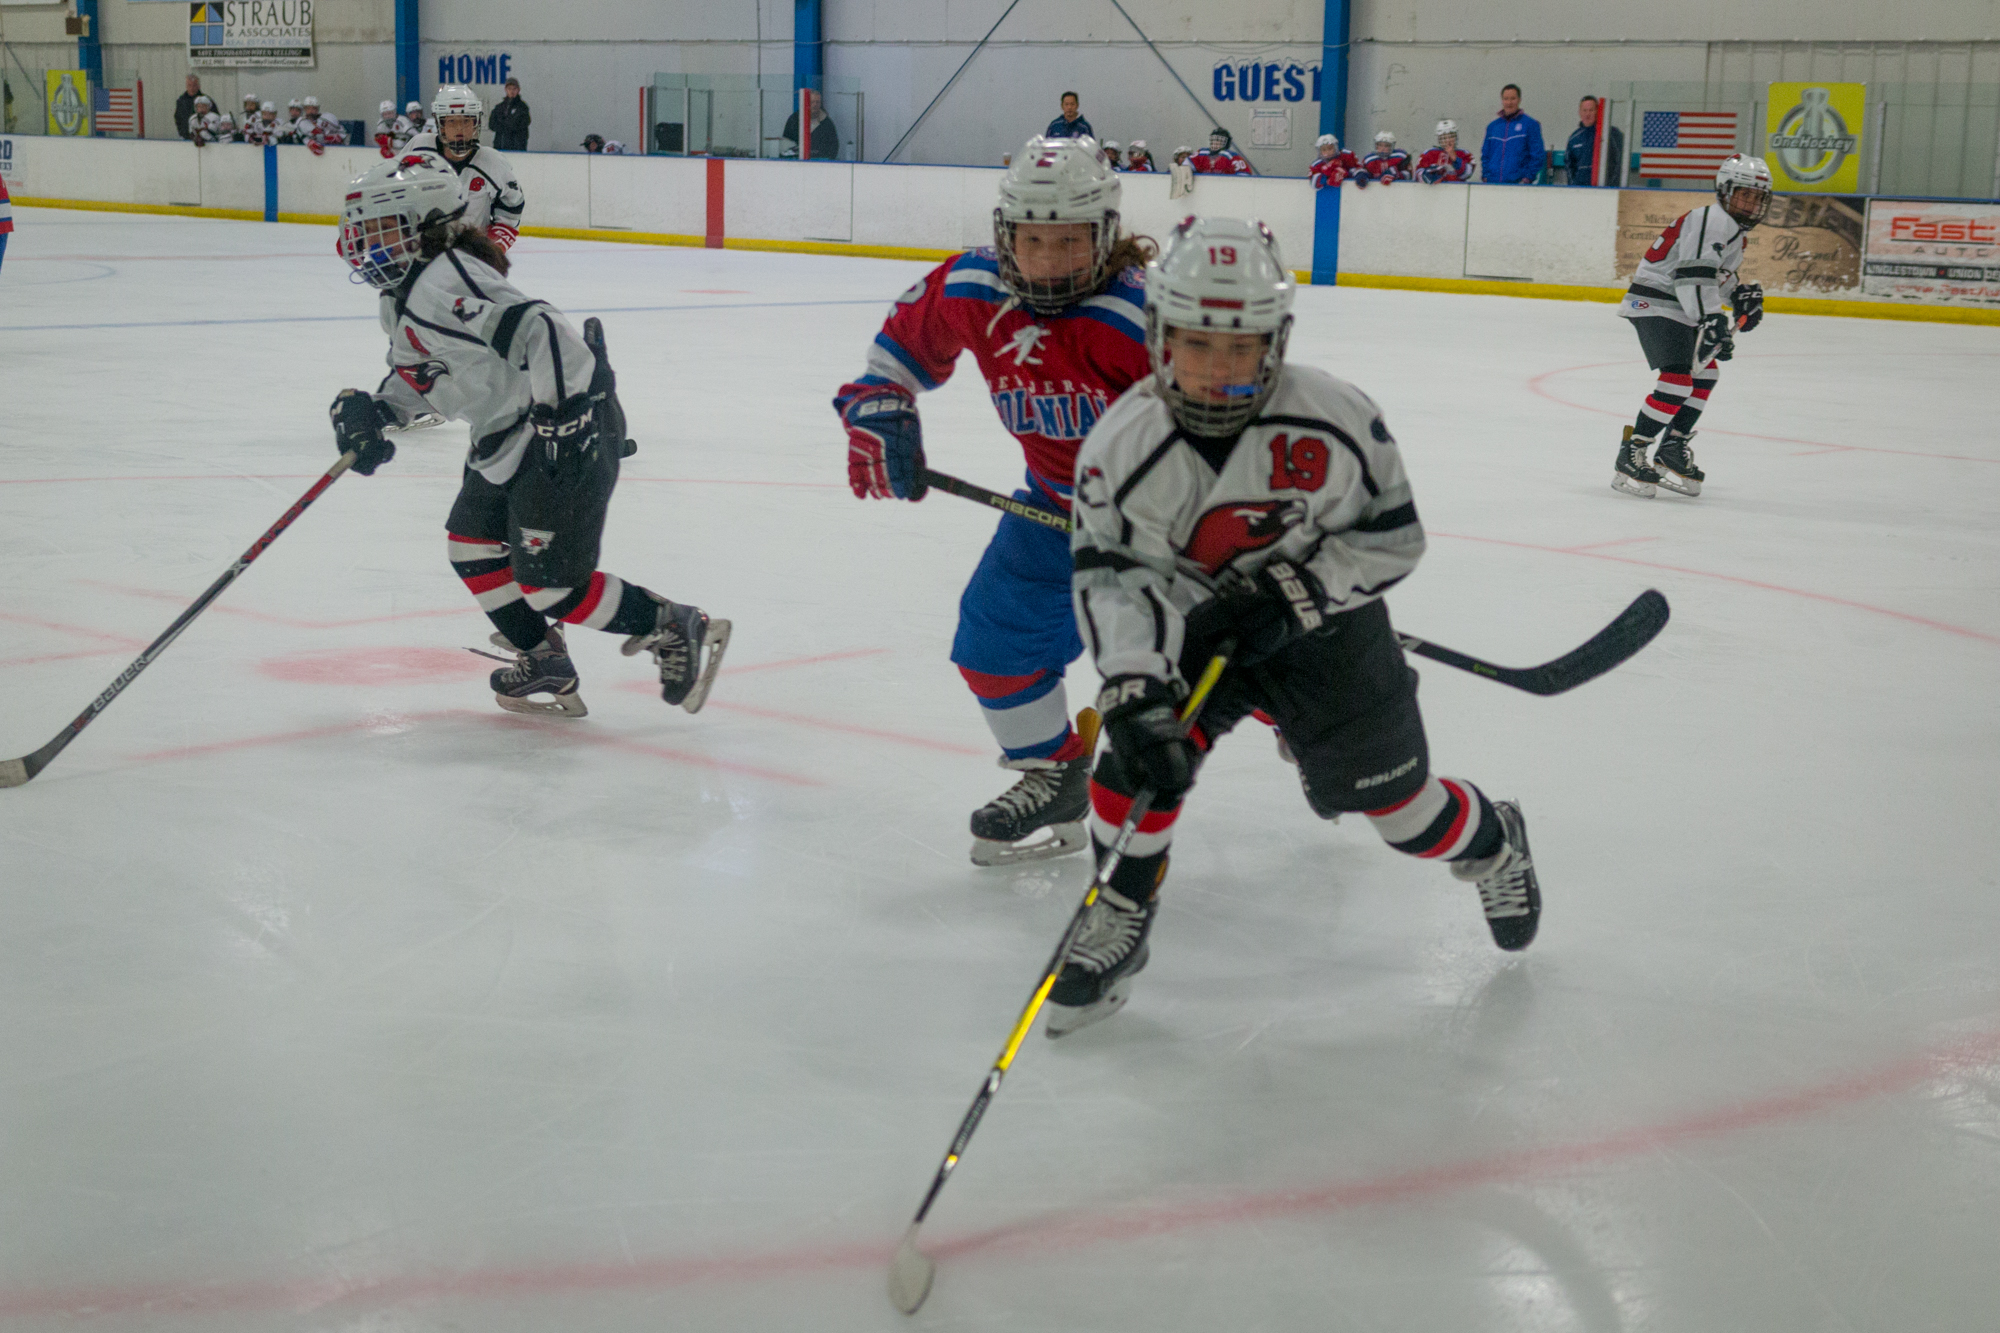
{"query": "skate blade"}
[(1643, 489), (1064, 839), (714, 643), (1064, 1020), (1674, 481), (563, 705)]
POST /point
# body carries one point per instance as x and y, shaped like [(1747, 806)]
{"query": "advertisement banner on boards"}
[(259, 34), (1812, 136), (1937, 253), (1806, 244), (68, 99)]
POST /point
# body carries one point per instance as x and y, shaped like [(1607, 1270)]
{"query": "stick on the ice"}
[(1636, 626), (14, 772), (911, 1271)]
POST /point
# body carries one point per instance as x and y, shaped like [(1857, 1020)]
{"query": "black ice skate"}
[(677, 643), (1109, 952), (1052, 795), (1506, 880), (1674, 461), (1633, 474), (543, 669)]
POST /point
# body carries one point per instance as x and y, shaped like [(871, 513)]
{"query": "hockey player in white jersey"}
[(1233, 496), (547, 437), (493, 198), (1676, 305)]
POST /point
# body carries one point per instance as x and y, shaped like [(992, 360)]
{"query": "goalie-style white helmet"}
[(1447, 129), (1057, 180), (388, 209), (1223, 274), (1742, 172), (457, 100)]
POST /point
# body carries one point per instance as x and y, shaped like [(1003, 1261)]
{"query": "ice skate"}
[(677, 643), (1053, 796), (1109, 952), (1633, 474), (543, 669), (1506, 880), (1674, 462)]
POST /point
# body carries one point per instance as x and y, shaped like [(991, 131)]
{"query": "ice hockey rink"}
[(337, 999)]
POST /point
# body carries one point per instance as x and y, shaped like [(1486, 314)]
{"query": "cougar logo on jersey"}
[(464, 313), (1092, 489), (1022, 348), (423, 377), (1227, 531)]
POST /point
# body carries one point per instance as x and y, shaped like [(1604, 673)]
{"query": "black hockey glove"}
[(604, 390), (1713, 338), (1146, 734), (358, 419), (1275, 608), (1748, 303)]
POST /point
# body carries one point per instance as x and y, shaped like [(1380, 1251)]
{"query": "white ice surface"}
[(331, 998)]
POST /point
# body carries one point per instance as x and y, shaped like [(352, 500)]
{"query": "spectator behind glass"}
[(184, 107), (1513, 153), (825, 136), (509, 121), (1581, 153), (1070, 124)]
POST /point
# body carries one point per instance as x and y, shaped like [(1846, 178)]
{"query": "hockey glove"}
[(604, 390), (358, 419), (564, 432), (1274, 608), (1748, 303), (885, 446), (1713, 338), (1147, 736)]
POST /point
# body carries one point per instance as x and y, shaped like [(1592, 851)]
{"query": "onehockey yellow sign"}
[(69, 103), (1813, 136)]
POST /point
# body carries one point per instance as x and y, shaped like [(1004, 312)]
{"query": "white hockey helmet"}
[(312, 101), (1739, 171), (269, 108), (1447, 129), (1385, 138), (388, 108), (200, 98), (250, 100), (292, 105), (1226, 275), (1057, 180), (417, 107), (1326, 141), (1136, 146), (457, 100), (388, 209)]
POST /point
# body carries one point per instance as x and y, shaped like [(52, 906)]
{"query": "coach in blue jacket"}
[(1513, 153), (1070, 124)]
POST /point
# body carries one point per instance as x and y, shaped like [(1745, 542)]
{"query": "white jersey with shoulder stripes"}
[(1690, 270), (1315, 479), (493, 195), (466, 344)]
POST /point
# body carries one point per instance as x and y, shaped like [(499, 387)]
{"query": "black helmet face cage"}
[(460, 146), (1726, 195), (379, 249), (1202, 416), (1051, 296)]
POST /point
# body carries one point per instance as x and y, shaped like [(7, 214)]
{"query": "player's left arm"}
[(504, 226), (1123, 568)]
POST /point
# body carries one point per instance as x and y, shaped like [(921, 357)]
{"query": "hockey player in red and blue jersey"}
[(1334, 164), (1054, 313), (1388, 162), (6, 219), (1221, 158), (1446, 163)]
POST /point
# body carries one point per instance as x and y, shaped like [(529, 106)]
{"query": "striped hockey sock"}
[(1666, 400), (482, 564), (1690, 411), (604, 602), (1448, 819), (1145, 863), (1029, 715)]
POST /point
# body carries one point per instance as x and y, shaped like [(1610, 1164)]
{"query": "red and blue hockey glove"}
[(1146, 734), (358, 420), (885, 446)]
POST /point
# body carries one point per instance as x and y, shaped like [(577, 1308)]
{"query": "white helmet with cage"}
[(1447, 129), (388, 209), (1326, 141), (1227, 276), (386, 109), (1385, 138), (457, 100), (1055, 181), (1739, 171)]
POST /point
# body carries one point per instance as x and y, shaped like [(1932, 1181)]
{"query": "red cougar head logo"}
[(1227, 531)]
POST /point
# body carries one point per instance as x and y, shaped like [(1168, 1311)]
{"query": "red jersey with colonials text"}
[(1050, 376)]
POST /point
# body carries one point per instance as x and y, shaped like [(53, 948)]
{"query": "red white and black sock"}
[(604, 602), (482, 564), (1448, 819), (1145, 863), (1663, 404), (1690, 411)]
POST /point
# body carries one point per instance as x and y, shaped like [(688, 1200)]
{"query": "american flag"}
[(117, 111), (1685, 143)]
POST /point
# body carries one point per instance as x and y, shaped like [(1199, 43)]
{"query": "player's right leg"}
[(1669, 349), (476, 541)]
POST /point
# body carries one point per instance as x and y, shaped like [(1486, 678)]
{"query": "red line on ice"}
[(294, 622), (1061, 1232), (874, 733), (410, 476), (124, 641), (1586, 554), (1538, 386)]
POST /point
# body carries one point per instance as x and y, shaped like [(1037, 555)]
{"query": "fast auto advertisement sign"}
[(251, 33), (1938, 253)]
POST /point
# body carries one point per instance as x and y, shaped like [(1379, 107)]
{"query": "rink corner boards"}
[(1542, 291)]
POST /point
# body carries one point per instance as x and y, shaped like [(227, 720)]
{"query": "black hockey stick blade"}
[(1636, 626)]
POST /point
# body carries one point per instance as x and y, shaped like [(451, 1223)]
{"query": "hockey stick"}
[(1636, 626), (1048, 518), (14, 772), (911, 1271)]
